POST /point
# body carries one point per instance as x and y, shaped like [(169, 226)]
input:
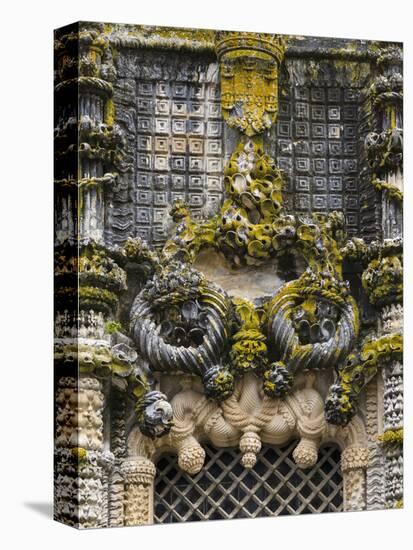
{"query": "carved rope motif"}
[(310, 323)]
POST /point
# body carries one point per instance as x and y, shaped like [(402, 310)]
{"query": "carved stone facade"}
[(228, 275)]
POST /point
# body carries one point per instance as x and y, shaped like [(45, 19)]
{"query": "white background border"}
[(26, 269)]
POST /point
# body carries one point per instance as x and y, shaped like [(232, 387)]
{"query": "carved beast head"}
[(154, 414)]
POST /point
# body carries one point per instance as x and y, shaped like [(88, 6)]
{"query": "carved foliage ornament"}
[(181, 322), (249, 418)]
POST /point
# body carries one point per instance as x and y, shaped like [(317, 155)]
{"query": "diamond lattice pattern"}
[(224, 489)]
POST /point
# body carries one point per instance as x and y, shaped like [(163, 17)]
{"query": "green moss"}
[(391, 437), (360, 368), (79, 454), (110, 112), (392, 191), (112, 326), (91, 294), (249, 350), (383, 278)]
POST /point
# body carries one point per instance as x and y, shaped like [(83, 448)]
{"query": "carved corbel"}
[(187, 407), (247, 418), (308, 407)]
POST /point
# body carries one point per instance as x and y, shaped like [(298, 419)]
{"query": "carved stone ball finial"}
[(250, 446), (191, 458), (305, 455)]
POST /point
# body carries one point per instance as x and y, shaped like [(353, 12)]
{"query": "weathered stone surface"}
[(228, 272)]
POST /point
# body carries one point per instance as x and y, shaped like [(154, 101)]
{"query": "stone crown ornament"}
[(249, 79), (246, 42)]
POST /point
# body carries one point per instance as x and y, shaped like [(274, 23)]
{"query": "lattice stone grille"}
[(179, 152), (317, 147), (224, 489)]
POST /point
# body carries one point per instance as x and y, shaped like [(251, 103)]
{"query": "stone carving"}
[(288, 174), (384, 150), (374, 477), (392, 437), (82, 466), (138, 475), (357, 372), (383, 278), (249, 79), (80, 427), (180, 297), (312, 324), (247, 418)]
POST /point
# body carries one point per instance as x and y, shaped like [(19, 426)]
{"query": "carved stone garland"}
[(249, 418)]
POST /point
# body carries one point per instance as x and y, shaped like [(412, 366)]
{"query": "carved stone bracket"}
[(248, 419)]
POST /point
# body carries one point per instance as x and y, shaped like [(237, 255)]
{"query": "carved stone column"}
[(354, 461), (87, 281), (384, 145), (82, 465), (87, 141), (383, 281), (138, 474), (375, 478), (118, 447), (392, 437)]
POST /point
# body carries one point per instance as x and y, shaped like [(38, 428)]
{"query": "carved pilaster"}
[(384, 145), (88, 143), (392, 437), (375, 470), (138, 474), (79, 414), (116, 498), (354, 461), (391, 322)]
